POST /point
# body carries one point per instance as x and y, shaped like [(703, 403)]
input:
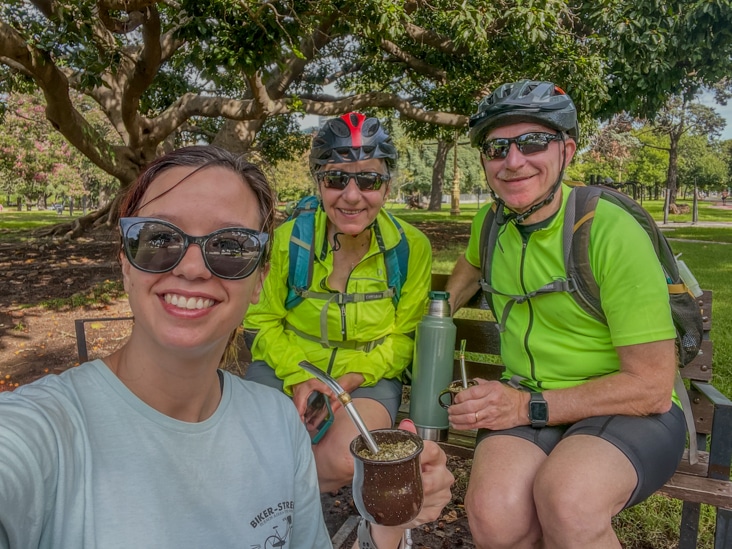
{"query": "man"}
[(583, 423)]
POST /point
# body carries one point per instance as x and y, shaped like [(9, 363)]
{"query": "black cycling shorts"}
[(653, 444), (388, 392)]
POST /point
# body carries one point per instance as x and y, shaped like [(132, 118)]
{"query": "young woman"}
[(154, 446)]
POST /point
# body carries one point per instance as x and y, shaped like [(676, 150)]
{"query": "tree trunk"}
[(672, 174), (438, 174)]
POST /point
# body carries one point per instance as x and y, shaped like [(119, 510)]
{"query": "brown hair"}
[(201, 157)]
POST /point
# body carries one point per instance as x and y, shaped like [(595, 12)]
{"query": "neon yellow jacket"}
[(285, 337)]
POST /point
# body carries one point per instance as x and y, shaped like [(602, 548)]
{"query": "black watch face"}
[(539, 411)]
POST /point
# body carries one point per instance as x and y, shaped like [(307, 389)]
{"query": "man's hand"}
[(490, 405), (463, 283)]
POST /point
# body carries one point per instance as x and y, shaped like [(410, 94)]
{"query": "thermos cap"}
[(438, 304)]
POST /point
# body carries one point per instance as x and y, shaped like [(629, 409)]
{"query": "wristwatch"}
[(538, 410)]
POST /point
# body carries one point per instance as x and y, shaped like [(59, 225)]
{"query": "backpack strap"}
[(302, 254), (579, 214), (396, 260), (488, 237), (302, 250), (494, 219), (584, 202)]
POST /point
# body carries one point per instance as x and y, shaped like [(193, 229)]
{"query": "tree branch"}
[(414, 63), (145, 69), (60, 112), (431, 38)]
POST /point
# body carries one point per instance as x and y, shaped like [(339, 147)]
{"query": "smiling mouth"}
[(351, 212), (183, 302)]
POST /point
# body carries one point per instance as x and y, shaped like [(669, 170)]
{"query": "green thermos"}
[(432, 368)]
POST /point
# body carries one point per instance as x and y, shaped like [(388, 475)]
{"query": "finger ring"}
[(476, 417)]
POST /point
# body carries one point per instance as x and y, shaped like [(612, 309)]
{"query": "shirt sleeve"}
[(472, 252), (29, 461), (279, 348)]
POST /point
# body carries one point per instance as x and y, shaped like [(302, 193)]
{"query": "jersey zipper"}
[(527, 350)]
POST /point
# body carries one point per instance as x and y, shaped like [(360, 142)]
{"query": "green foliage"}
[(655, 523), (653, 48), (291, 179), (104, 293), (641, 153), (16, 225)]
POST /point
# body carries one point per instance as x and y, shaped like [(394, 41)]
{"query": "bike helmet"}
[(524, 101), (349, 138)]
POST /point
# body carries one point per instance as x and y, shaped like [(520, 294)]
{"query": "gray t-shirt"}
[(85, 464)]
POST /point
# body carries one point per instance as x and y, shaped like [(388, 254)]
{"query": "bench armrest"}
[(720, 446)]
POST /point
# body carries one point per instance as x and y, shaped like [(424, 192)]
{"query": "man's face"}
[(521, 179)]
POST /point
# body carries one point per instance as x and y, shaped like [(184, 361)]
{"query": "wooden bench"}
[(706, 482)]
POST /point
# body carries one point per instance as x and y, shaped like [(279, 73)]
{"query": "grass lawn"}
[(16, 225)]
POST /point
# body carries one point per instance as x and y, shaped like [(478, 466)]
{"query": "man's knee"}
[(494, 518)]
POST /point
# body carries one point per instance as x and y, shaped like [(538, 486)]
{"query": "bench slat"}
[(699, 490)]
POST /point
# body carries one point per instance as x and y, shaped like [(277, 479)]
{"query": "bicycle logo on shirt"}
[(275, 541)]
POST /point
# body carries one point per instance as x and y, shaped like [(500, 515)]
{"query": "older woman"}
[(154, 445), (356, 318)]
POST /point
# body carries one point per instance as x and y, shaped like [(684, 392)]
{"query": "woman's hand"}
[(301, 392), (436, 479), (436, 483)]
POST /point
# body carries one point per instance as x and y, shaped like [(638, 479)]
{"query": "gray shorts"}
[(653, 444), (388, 392)]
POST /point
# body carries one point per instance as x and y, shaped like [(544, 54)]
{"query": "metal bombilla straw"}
[(345, 399), (463, 373)]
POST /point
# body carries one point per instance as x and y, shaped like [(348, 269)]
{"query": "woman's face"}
[(189, 307), (352, 210)]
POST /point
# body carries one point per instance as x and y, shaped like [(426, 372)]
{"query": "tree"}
[(680, 117), (614, 144), (166, 73), (35, 161), (701, 163)]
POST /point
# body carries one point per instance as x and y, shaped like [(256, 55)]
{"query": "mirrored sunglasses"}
[(366, 181), (156, 246), (528, 143)]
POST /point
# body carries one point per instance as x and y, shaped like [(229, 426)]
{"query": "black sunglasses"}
[(528, 143), (156, 246), (366, 181)]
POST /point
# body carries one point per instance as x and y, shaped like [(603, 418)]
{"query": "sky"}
[(725, 111)]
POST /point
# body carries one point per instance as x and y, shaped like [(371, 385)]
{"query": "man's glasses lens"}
[(366, 181), (528, 143), (156, 246)]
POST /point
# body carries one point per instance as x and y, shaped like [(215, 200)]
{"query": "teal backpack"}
[(302, 252)]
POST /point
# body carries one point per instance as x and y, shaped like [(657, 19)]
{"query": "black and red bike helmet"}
[(349, 138), (524, 101)]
